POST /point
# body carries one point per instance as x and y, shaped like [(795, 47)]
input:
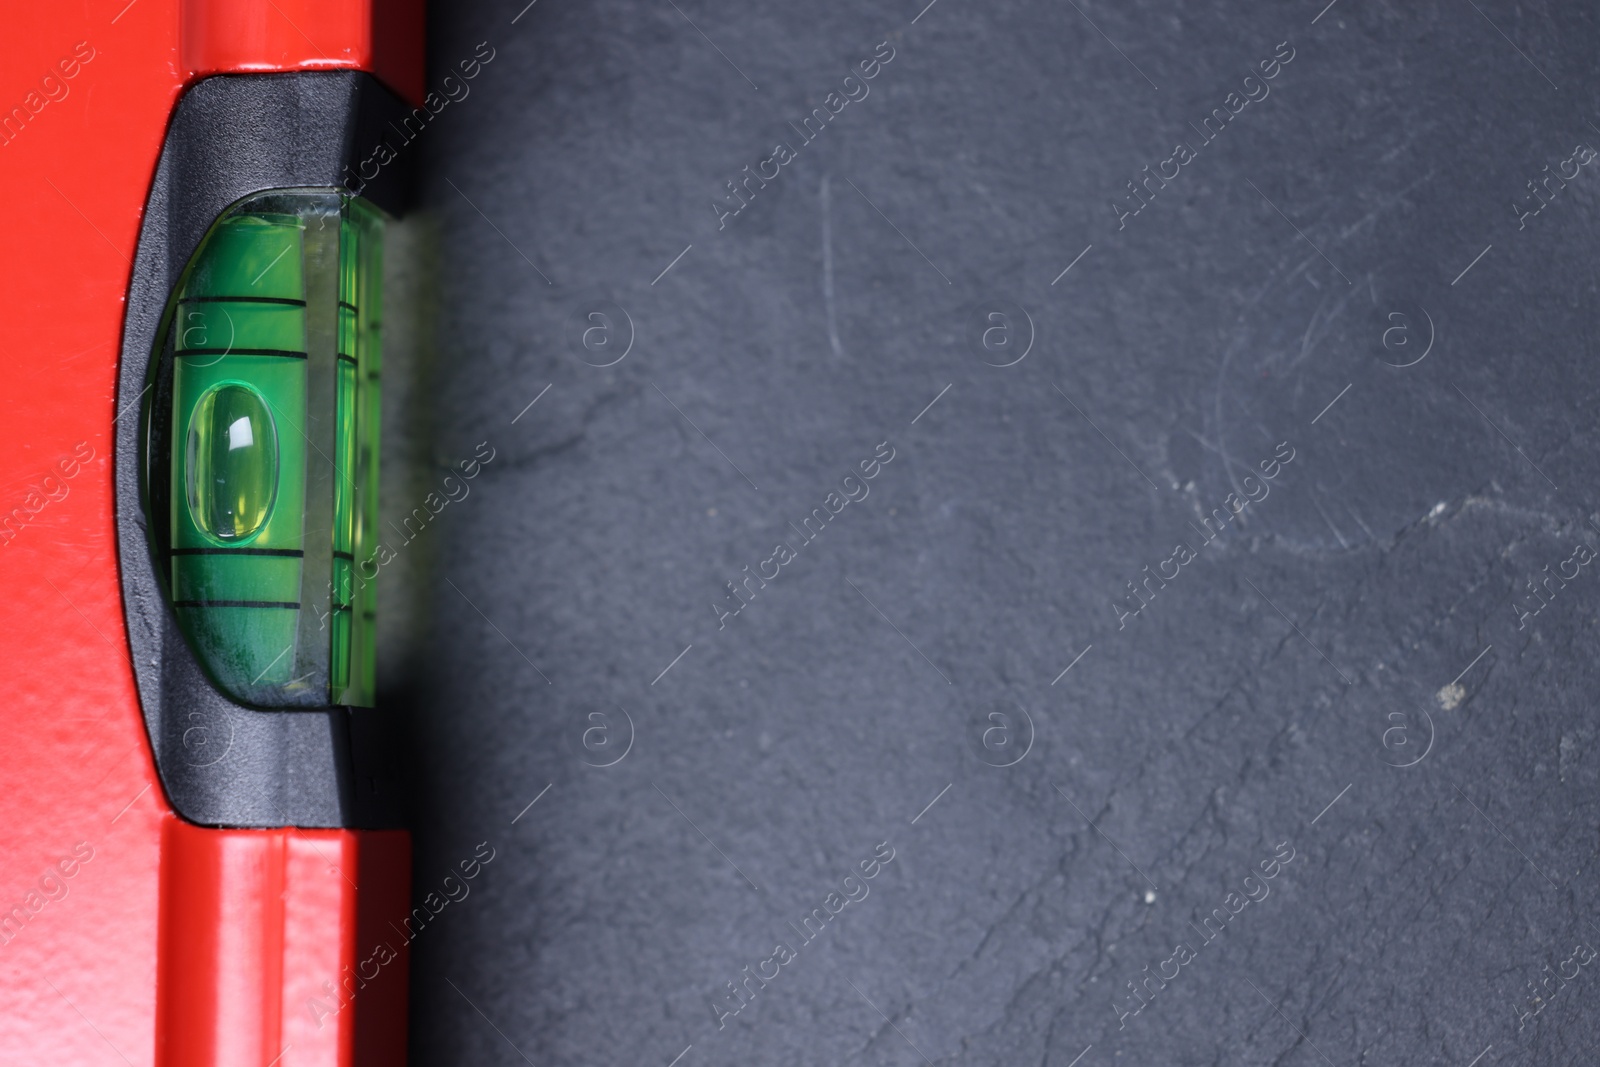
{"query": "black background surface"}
[(1299, 658)]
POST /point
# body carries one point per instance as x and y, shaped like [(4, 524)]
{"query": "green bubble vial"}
[(261, 449)]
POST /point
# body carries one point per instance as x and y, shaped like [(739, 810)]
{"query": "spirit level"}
[(195, 759)]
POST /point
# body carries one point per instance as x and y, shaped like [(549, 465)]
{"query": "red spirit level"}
[(201, 860)]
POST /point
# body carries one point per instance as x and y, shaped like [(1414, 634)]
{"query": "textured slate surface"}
[(1360, 616)]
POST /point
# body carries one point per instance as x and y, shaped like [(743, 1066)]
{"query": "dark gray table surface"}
[(1352, 672)]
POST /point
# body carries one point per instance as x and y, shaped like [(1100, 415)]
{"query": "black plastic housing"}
[(222, 763)]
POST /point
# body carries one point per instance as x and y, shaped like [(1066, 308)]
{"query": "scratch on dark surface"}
[(1317, 503), (1383, 206), (1317, 329), (1234, 345), (827, 268)]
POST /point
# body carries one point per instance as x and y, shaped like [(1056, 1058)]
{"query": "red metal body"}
[(297, 967), (97, 875)]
